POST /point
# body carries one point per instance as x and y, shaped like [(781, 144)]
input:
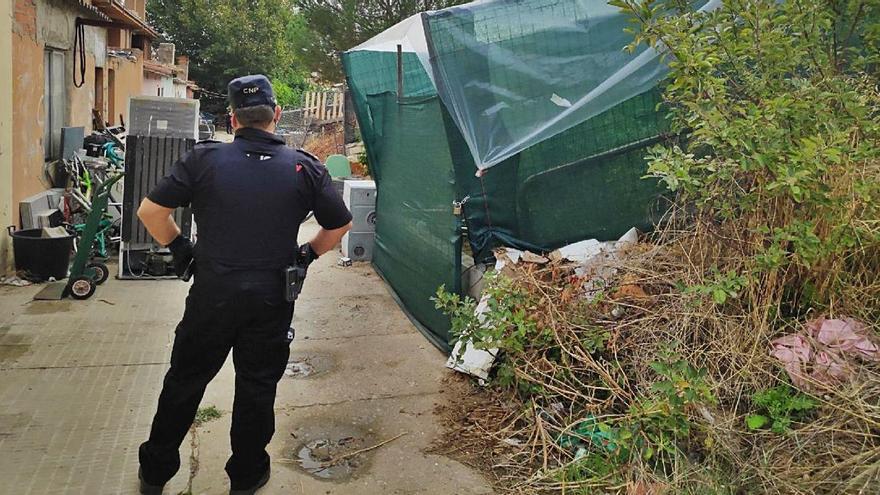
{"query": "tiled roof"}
[(117, 11)]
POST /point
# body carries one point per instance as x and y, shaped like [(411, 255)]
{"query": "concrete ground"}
[(79, 382)]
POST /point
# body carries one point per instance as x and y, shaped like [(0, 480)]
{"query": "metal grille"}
[(164, 117), (294, 125), (147, 160)]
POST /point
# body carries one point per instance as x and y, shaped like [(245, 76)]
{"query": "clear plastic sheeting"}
[(510, 81)]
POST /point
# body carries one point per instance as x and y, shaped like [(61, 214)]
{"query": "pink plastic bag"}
[(824, 353)]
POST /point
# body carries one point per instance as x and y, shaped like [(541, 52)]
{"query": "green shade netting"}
[(539, 96)]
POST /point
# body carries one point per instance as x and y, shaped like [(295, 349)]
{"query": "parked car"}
[(206, 129)]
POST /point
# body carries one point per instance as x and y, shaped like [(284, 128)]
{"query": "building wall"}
[(129, 82), (152, 83), (38, 25), (6, 210), (179, 90), (27, 104), (82, 100), (168, 87)]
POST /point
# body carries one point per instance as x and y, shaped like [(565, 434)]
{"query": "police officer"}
[(248, 198)]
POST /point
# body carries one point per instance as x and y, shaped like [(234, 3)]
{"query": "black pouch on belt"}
[(294, 276)]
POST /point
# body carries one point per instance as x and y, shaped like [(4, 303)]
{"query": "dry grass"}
[(514, 435)]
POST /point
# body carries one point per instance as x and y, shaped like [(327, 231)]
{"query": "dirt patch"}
[(466, 412), (47, 307), (12, 347), (329, 141), (323, 458)]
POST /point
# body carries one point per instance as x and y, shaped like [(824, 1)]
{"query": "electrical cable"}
[(79, 52)]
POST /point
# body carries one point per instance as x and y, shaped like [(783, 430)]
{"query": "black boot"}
[(252, 490), (148, 489)]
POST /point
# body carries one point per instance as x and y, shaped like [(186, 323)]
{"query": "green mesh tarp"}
[(583, 183), (418, 244), (529, 112)]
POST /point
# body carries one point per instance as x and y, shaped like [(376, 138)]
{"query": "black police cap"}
[(251, 91)]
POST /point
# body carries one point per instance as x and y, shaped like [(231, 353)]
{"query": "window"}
[(54, 101)]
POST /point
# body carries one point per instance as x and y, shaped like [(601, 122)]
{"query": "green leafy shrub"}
[(779, 406), (506, 324), (779, 110), (661, 421)]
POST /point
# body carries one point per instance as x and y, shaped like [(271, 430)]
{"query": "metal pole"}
[(399, 73)]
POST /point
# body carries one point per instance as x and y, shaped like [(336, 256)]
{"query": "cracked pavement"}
[(79, 382)]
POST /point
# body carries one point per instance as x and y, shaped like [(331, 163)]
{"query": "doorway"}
[(111, 97)]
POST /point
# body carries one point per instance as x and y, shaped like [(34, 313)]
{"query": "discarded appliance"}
[(162, 130), (40, 209), (360, 198)]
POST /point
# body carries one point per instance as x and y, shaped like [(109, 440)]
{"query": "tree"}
[(229, 38), (328, 27)]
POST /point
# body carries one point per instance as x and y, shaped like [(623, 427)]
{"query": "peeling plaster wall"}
[(180, 90), (6, 210)]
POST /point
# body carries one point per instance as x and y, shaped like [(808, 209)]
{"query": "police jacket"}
[(249, 198)]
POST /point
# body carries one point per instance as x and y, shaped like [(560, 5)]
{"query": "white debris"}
[(631, 238), (473, 361), (579, 252), (512, 255), (596, 259), (15, 281), (530, 257), (54, 233)]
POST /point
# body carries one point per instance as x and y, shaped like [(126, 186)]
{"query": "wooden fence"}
[(324, 106)]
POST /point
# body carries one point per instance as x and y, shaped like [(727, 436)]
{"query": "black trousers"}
[(240, 311)]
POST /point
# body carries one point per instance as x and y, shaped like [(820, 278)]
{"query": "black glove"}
[(181, 254), (306, 255)]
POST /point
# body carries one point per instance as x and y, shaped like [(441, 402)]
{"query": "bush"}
[(778, 110)]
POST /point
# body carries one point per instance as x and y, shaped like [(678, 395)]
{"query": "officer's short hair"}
[(256, 116)]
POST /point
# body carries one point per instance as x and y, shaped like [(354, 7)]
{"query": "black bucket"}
[(41, 258)]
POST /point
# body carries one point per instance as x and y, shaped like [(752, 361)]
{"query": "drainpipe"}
[(6, 136)]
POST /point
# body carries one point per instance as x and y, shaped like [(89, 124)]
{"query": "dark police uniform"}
[(249, 198)]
